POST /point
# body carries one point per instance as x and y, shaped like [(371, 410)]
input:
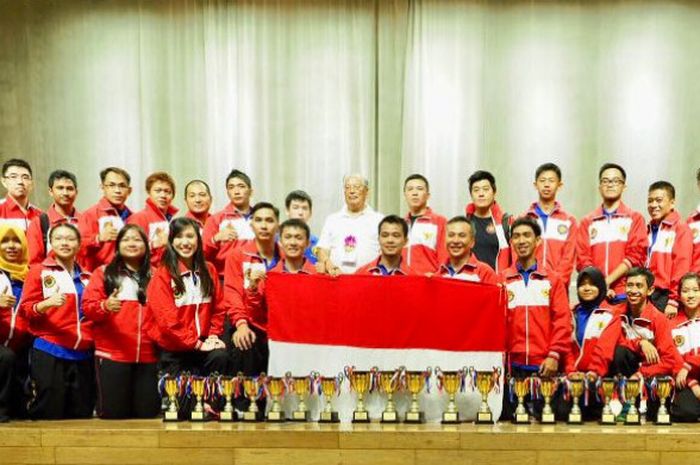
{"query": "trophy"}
[(302, 388), (548, 386), (360, 382), (172, 387), (576, 389), (415, 381), (329, 387), (631, 393), (389, 383), (228, 386), (253, 390), (520, 386), (664, 385), (452, 382), (275, 387), (197, 386), (608, 387), (485, 381)]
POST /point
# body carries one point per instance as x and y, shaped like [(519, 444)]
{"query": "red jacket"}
[(653, 326), (184, 321), (473, 270), (153, 221), (64, 325), (12, 213), (538, 317), (200, 220), (694, 224), (35, 236), (218, 252), (599, 341), (686, 336), (122, 336), (98, 253), (426, 242), (504, 258), (14, 327), (606, 243), (670, 256), (558, 248), (372, 268)]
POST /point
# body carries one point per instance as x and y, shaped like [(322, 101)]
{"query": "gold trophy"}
[(329, 387), (576, 389), (663, 390), (197, 385), (228, 386), (252, 388), (389, 382), (415, 381), (485, 382), (452, 382), (360, 382), (631, 393), (275, 387), (548, 386), (520, 387), (302, 388), (172, 387), (608, 386)]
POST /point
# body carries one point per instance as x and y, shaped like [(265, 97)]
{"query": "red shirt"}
[(426, 242), (153, 222), (218, 252), (670, 255), (35, 236), (474, 270), (98, 253), (557, 251), (694, 224), (11, 213)]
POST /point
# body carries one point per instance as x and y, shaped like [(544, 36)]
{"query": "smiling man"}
[(15, 208), (198, 200), (462, 263), (393, 237)]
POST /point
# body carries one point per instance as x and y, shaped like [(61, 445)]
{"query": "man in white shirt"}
[(349, 237)]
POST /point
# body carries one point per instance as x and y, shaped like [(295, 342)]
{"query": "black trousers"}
[(685, 407), (14, 371), (659, 298), (251, 362), (7, 375), (60, 388), (126, 390)]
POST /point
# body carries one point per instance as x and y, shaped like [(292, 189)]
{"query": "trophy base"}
[(521, 419), (484, 418), (663, 419), (575, 419), (300, 415), (227, 416), (170, 416), (607, 419), (450, 418), (633, 419), (253, 416), (415, 417), (275, 416), (329, 417), (390, 417), (360, 416), (548, 419), (197, 416)]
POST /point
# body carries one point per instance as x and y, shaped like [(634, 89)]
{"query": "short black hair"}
[(481, 175), (261, 205), (547, 167), (394, 219), (114, 169), (697, 175), (299, 196), (18, 162), (62, 174), (419, 177), (664, 185), (608, 166), (639, 271), (529, 222), (240, 175), (197, 181), (295, 223), (461, 219)]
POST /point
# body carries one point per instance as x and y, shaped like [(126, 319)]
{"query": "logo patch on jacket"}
[(562, 229), (679, 340), (49, 281)]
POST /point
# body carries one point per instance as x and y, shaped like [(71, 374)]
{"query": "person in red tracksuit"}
[(198, 199), (61, 360), (426, 237), (538, 318), (100, 223), (694, 224), (557, 250), (155, 218), (125, 354), (612, 237), (393, 237), (670, 247), (686, 336), (15, 208), (462, 263)]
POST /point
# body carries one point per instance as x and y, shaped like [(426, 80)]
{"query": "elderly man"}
[(349, 237)]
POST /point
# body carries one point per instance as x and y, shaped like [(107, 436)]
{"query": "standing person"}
[(62, 370), (694, 224), (298, 205), (393, 237), (491, 225), (613, 236), (15, 208), (462, 263), (101, 223), (686, 335), (198, 199), (63, 189), (125, 354), (159, 211), (557, 251), (14, 334), (229, 228), (426, 236)]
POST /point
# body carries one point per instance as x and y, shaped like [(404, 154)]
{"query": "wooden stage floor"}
[(153, 442)]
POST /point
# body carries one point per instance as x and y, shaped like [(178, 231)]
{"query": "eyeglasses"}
[(611, 182), (17, 177), (115, 186)]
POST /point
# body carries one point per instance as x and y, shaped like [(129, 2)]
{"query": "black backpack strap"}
[(44, 222), (505, 222)]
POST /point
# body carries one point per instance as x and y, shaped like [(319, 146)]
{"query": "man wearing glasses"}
[(15, 209), (100, 223), (612, 237)]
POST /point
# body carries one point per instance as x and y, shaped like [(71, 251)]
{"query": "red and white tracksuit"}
[(218, 252), (504, 258), (93, 220), (426, 242), (35, 236), (11, 213), (14, 327), (153, 222), (557, 251), (599, 341), (686, 337), (474, 271), (372, 268), (694, 224)]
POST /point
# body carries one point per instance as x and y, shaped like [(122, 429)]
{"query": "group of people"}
[(95, 305)]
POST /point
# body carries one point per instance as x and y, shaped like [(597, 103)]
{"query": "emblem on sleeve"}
[(679, 340)]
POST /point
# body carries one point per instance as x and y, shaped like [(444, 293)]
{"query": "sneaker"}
[(622, 416)]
